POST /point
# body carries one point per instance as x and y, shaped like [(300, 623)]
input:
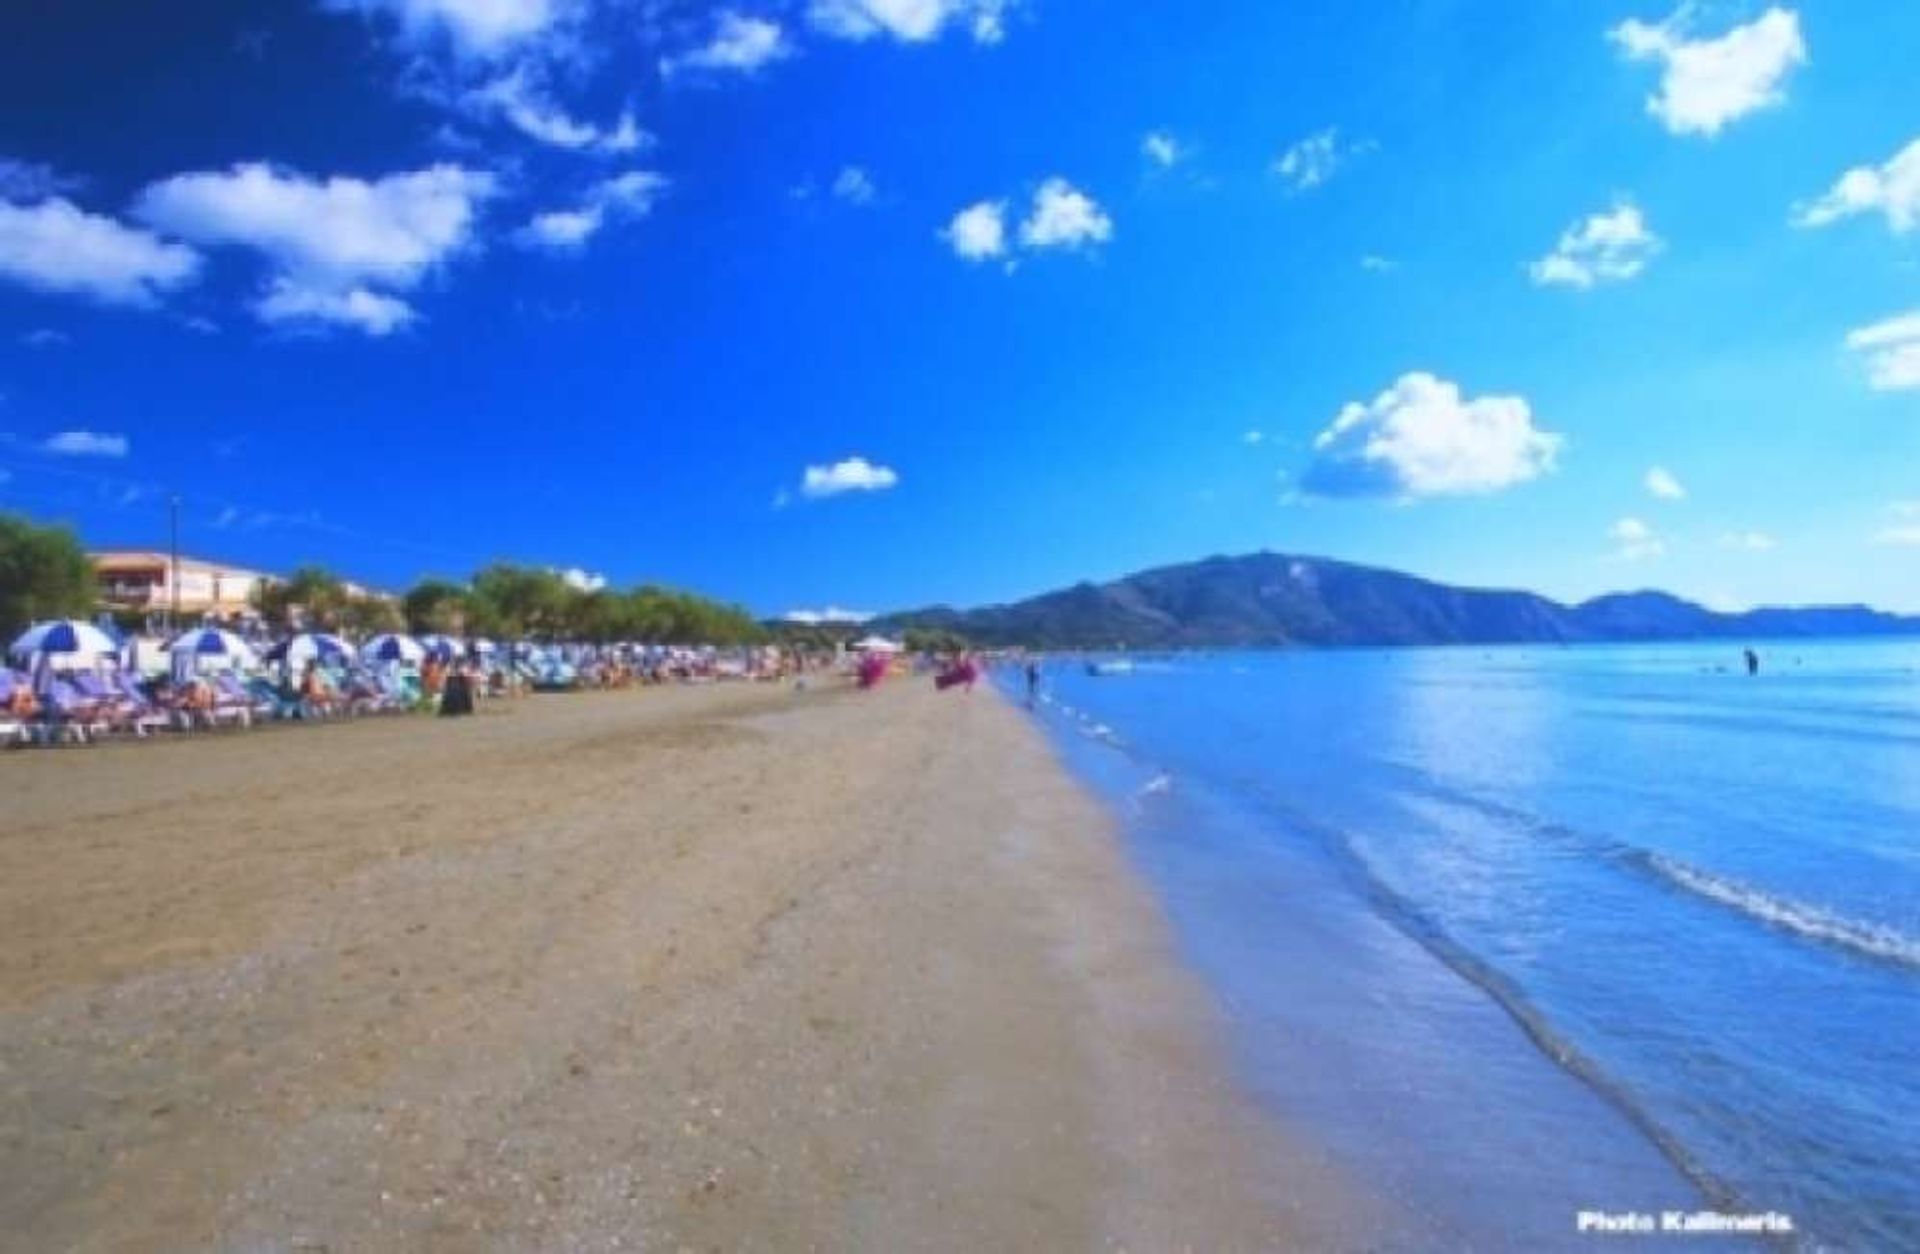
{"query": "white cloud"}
[(331, 243), (629, 195), (1161, 148), (32, 181), (1635, 541), (1905, 533), (739, 44), (1747, 541), (86, 444), (1892, 189), (582, 580), (912, 21), (635, 191), (287, 300), (1253, 437), (1707, 83), (855, 474), (56, 247), (1064, 217), (854, 185), (1310, 162), (831, 614), (1606, 247), (46, 337), (1061, 216), (393, 230), (1892, 351), (1421, 438), (1374, 263), (526, 106), (1661, 483), (561, 229), (480, 27), (979, 232)]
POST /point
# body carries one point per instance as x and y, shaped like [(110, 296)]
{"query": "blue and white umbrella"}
[(310, 646), (62, 635), (442, 648), (213, 648), (393, 647)]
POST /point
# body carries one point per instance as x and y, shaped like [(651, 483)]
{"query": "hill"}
[(1267, 599)]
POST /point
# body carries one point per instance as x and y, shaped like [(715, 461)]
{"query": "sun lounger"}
[(274, 703), (134, 711), (232, 703), (14, 730), (66, 716), (363, 694)]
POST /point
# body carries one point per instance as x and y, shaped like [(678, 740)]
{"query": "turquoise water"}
[(1519, 932)]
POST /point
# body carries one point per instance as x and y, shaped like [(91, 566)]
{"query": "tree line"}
[(45, 573), (509, 602)]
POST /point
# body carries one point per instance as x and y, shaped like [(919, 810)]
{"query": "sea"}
[(1519, 933)]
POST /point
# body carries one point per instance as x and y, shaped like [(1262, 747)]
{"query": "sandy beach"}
[(713, 968)]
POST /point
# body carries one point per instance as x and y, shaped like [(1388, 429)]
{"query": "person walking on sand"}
[(1033, 682), (1753, 662)]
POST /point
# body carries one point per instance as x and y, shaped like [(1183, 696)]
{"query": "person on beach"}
[(1753, 662), (456, 697), (315, 697), (1033, 682)]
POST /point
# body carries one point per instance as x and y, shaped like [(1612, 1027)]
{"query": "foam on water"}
[(1871, 940)]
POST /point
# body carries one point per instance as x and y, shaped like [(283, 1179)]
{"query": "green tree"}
[(312, 598), (520, 601), (933, 640), (369, 616), (44, 573), (436, 606)]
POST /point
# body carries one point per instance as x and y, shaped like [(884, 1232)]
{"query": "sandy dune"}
[(696, 968)]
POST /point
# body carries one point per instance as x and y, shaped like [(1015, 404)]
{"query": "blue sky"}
[(875, 303)]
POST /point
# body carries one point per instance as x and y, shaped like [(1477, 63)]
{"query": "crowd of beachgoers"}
[(69, 682)]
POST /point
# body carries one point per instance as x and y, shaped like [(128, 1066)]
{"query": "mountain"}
[(1275, 599)]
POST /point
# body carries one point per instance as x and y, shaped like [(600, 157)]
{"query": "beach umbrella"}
[(393, 647), (62, 635), (442, 648), (213, 647), (310, 646)]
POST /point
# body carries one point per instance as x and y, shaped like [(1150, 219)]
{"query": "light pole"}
[(173, 564)]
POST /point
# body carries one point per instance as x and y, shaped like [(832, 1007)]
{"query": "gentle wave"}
[(1865, 939), (1085, 723), (1873, 940), (1427, 931)]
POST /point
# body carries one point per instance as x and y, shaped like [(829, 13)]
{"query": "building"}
[(141, 582)]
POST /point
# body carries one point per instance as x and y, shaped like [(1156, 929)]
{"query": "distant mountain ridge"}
[(1270, 599)]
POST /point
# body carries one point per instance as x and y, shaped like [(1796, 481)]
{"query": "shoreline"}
[(1237, 898), (735, 967)]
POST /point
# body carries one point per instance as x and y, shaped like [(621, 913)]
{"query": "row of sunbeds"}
[(89, 706)]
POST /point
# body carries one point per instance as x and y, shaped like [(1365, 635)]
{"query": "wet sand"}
[(727, 968)]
